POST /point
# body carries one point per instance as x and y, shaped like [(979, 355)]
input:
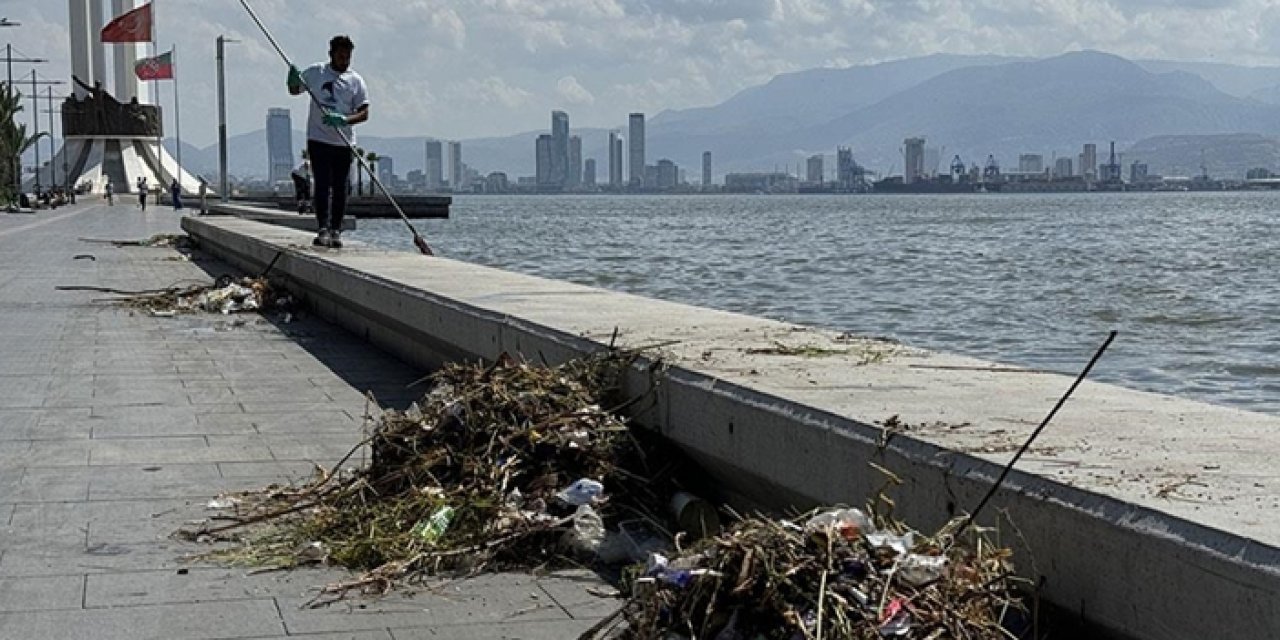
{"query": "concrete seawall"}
[(1150, 516)]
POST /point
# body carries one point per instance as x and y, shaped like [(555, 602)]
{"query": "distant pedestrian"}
[(111, 201), (204, 196), (302, 186), (340, 100), (175, 192), (142, 193)]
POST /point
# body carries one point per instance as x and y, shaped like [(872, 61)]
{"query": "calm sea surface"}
[(1190, 280)]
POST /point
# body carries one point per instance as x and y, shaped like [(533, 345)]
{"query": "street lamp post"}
[(35, 121), (224, 190)]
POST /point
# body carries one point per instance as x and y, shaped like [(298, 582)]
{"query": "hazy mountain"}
[(799, 99), (1222, 155), (1236, 80), (1045, 106), (974, 106)]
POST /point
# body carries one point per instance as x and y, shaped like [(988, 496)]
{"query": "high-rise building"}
[(813, 169), (914, 158), (435, 164), (559, 147), (615, 159), (635, 135), (845, 168), (706, 169), (1089, 162), (542, 160), (1138, 172), (386, 171), (1030, 163), (1062, 168), (666, 175), (279, 145), (589, 172), (457, 179), (574, 177)]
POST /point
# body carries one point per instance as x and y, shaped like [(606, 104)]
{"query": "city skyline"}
[(494, 69)]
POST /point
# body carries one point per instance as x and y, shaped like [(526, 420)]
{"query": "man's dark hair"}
[(341, 43)]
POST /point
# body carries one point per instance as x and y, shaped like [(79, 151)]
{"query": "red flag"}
[(134, 26), (157, 68)]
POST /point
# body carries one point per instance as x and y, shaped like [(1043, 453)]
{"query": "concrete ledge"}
[(301, 222), (1149, 516)]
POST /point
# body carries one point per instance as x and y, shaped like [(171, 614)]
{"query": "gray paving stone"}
[(284, 470), (505, 598), (43, 424), (569, 590), (192, 621), (527, 630), (57, 558), (57, 453), (141, 482), (202, 584), (380, 634), (41, 593), (181, 450), (45, 484)]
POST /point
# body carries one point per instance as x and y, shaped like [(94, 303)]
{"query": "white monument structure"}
[(112, 131)]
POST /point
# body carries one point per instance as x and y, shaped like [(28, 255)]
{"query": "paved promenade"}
[(117, 428)]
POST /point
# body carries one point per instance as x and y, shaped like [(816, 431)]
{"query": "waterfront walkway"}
[(117, 428)]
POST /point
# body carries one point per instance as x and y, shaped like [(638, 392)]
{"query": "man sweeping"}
[(341, 100)]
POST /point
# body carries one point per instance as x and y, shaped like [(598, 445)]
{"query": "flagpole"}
[(155, 35), (177, 110)]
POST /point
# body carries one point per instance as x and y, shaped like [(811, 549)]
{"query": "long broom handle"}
[(417, 238)]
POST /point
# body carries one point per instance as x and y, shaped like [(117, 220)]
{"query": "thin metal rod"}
[(1035, 434), (177, 113), (417, 238), (223, 183)]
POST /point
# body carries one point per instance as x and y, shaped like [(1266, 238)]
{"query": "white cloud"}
[(573, 93)]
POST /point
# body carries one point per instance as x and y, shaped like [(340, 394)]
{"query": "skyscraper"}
[(279, 145), (589, 172), (635, 136), (435, 165), (615, 159), (1089, 162), (844, 168), (386, 170), (560, 148), (574, 177), (457, 179), (914, 158), (542, 161), (813, 169), (706, 169)]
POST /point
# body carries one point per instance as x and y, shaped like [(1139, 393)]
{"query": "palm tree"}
[(359, 172), (14, 141), (373, 159)]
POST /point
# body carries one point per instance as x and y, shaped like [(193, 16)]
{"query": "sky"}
[(477, 68)]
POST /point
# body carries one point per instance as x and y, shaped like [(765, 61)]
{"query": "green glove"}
[(335, 119), (295, 78)]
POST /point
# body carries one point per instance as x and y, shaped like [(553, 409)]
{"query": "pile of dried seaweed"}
[(837, 575), (227, 295), (510, 465), (161, 240)]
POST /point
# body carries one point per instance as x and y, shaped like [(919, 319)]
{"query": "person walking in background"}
[(175, 192), (204, 196), (302, 186), (340, 101), (142, 193), (111, 201)]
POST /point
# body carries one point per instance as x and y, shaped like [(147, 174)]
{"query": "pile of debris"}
[(227, 295), (838, 575), (497, 467), (517, 466)]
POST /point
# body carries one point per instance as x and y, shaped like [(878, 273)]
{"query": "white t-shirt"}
[(342, 93)]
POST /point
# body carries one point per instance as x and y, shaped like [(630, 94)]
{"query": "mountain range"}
[(1172, 115)]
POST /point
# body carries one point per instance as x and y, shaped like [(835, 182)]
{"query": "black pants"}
[(330, 166)]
